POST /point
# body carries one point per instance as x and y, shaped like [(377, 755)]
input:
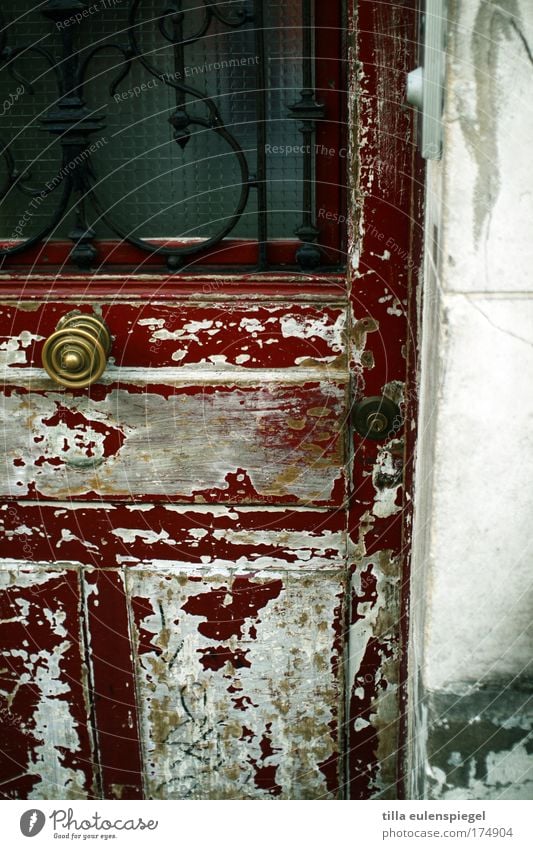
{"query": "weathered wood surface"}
[(47, 750), (266, 443), (382, 274), (224, 334), (238, 402), (240, 683), (235, 617), (115, 535)]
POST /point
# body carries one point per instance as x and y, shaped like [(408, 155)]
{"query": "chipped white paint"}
[(258, 565), (396, 309), (152, 323), (198, 533), (77, 446), (387, 483), (325, 360), (56, 618), (193, 327), (180, 444), (13, 350), (52, 724), (40, 572), (130, 535), (378, 622), (317, 328), (203, 729), (68, 536), (307, 544), (189, 331), (36, 379), (55, 728), (179, 355), (364, 629), (85, 506), (21, 530), (253, 326)]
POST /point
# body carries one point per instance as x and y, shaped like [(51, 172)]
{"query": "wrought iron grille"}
[(171, 126)]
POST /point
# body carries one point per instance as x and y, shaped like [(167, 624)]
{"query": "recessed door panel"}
[(240, 682), (45, 706)]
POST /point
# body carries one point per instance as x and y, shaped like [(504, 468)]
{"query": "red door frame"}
[(385, 236)]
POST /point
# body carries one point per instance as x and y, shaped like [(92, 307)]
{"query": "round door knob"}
[(377, 417), (75, 355)]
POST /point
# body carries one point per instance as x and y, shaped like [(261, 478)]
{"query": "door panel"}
[(220, 619), (240, 682), (247, 404), (266, 443), (113, 689), (47, 751), (114, 535), (244, 334)]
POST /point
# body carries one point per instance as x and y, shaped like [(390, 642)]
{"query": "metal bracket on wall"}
[(425, 85)]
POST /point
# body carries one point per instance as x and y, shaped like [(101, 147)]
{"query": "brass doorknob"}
[(75, 355)]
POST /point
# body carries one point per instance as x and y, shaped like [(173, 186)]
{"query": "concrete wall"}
[(472, 594)]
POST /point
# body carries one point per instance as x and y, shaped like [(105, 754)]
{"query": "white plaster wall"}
[(472, 593), (479, 618)]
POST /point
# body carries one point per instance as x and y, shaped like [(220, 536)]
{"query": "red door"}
[(204, 531)]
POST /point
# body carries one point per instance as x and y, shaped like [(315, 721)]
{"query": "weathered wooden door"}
[(203, 549)]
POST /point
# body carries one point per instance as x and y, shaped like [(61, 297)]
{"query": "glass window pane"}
[(151, 179)]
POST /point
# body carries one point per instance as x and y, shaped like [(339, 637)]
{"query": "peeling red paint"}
[(382, 294), (369, 595), (97, 536), (225, 619), (31, 642), (265, 774), (79, 424), (330, 769), (266, 743), (216, 657), (141, 608), (368, 686), (114, 686), (243, 703), (290, 447), (265, 778), (249, 335), (247, 734)]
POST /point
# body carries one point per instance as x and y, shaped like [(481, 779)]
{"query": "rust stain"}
[(296, 424), (318, 412)]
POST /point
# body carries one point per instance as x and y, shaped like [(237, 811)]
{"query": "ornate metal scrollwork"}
[(308, 111), (69, 119)]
